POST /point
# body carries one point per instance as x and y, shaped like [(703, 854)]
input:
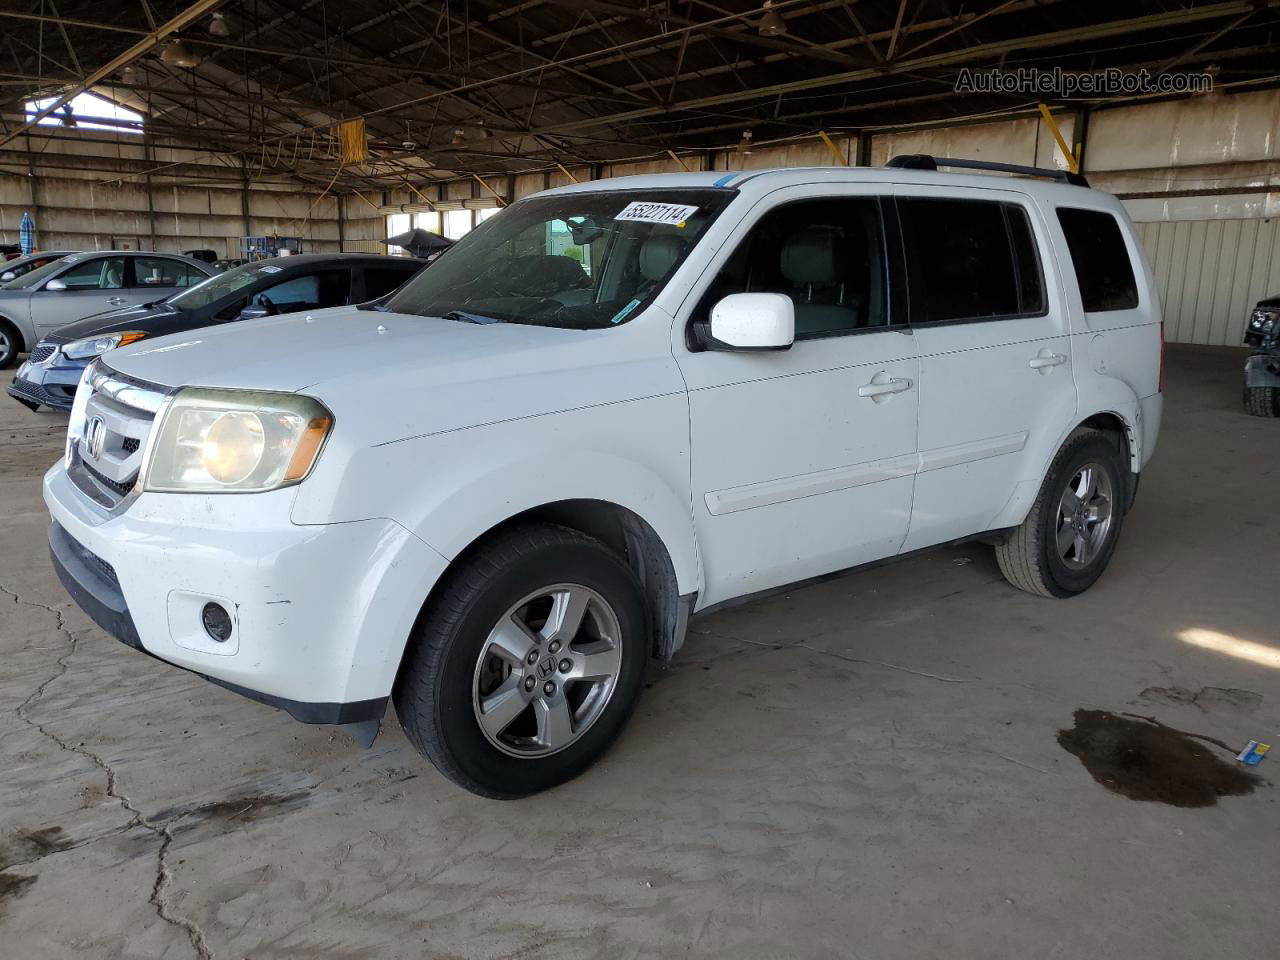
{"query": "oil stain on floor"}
[(1144, 760)]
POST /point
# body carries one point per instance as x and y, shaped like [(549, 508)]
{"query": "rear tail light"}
[(1161, 387)]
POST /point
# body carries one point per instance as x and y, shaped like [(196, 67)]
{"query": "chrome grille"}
[(106, 454), (42, 351)]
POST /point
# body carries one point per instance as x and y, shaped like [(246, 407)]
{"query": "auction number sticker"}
[(642, 211)]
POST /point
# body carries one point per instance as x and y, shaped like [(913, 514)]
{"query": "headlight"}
[(93, 346), (235, 441)]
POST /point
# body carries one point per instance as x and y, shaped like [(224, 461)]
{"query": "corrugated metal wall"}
[(1210, 274)]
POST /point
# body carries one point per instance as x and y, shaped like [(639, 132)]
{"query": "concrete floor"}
[(866, 768)]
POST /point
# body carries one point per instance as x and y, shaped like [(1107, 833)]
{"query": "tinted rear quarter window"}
[(970, 260), (1100, 259), (379, 281)]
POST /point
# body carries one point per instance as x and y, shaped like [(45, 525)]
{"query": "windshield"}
[(221, 285), (580, 260), (40, 274)]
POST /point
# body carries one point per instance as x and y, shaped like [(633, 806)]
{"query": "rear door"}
[(802, 460), (992, 327)]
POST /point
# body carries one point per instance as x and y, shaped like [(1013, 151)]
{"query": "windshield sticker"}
[(270, 268), (641, 211), (625, 312)]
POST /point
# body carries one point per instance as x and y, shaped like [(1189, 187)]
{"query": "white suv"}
[(496, 493)]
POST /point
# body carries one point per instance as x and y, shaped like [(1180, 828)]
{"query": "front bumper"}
[(321, 613), (47, 386)]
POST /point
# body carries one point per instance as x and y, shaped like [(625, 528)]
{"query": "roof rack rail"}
[(923, 161)]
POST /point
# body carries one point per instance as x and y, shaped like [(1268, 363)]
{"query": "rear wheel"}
[(527, 664), (1069, 535), (10, 343), (1262, 401)]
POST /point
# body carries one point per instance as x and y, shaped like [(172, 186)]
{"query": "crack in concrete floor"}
[(161, 829)]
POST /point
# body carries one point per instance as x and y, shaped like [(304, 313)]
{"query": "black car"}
[(1262, 369), (263, 288)]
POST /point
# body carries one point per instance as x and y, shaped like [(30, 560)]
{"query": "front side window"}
[(311, 291), (827, 255), (970, 260), (106, 273), (580, 260), (1100, 258)]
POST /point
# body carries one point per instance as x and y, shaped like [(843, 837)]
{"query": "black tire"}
[(434, 692), (1029, 559), (1262, 401), (10, 344)]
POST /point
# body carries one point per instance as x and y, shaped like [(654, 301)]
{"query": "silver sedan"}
[(83, 284)]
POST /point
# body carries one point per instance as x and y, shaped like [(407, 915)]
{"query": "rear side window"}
[(379, 281), (1100, 258), (163, 272), (1030, 281), (970, 260)]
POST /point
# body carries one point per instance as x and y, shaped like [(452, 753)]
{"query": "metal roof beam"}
[(145, 45)]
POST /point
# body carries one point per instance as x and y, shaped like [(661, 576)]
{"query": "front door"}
[(92, 286), (802, 460), (995, 355)]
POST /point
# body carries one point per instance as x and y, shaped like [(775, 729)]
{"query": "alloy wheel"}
[(1084, 516), (547, 670)]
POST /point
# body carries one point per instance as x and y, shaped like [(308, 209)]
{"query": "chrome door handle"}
[(1046, 359), (882, 386), (116, 300)]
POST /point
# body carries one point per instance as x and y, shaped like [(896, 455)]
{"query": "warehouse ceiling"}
[(487, 86)]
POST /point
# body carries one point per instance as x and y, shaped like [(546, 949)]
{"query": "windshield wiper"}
[(469, 317)]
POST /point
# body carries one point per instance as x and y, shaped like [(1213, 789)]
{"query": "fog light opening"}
[(217, 622)]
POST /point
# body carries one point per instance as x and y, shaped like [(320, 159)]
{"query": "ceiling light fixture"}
[(771, 24), (177, 54), (218, 25)]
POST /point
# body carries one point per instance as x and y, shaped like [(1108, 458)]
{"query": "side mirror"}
[(55, 285), (752, 321), (7, 276), (255, 312)]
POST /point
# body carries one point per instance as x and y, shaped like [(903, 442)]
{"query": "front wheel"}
[(1069, 535), (527, 664), (1262, 401), (9, 345)]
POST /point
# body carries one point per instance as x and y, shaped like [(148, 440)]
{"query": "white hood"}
[(301, 349), (397, 375)]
